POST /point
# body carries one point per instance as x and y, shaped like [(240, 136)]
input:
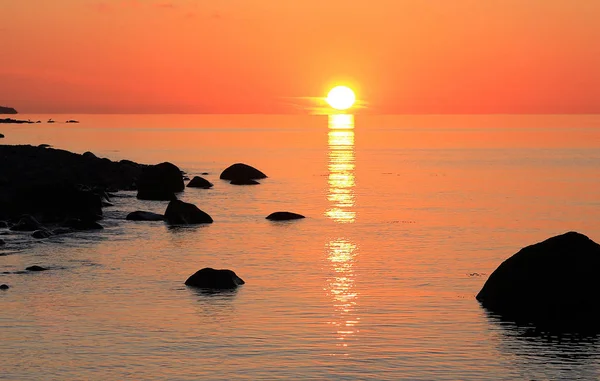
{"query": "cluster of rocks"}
[(55, 185), (49, 192)]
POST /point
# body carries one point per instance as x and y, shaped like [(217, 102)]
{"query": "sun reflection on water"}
[(342, 251), (341, 168)]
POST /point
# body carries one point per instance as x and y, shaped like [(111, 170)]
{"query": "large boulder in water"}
[(181, 213), (553, 284), (241, 172), (284, 216), (214, 279), (140, 215), (199, 182), (160, 182)]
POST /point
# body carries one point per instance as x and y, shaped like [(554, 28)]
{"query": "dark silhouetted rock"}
[(36, 268), (553, 284), (284, 216), (160, 182), (44, 145), (2, 242), (59, 231), (89, 155), (27, 224), (4, 287), (199, 182), (47, 182), (1, 136), (15, 121), (72, 121), (244, 182), (78, 224), (7, 110), (144, 216), (179, 213), (40, 234), (240, 171), (3, 225), (214, 279)]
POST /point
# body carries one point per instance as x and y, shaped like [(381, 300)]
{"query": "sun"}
[(341, 98)]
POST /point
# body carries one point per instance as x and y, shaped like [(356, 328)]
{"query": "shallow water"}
[(407, 216)]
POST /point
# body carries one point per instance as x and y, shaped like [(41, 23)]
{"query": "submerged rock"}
[(27, 224), (241, 171), (59, 231), (552, 284), (284, 216), (36, 268), (42, 233), (244, 182), (78, 224), (160, 182), (140, 215), (181, 213), (214, 279), (199, 182)]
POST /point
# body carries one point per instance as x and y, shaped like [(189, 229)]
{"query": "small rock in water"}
[(284, 216), (179, 212), (4, 287), (214, 279), (199, 182), (42, 233), (241, 171), (140, 215), (36, 268)]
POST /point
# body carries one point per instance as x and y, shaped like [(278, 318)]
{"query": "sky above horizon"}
[(267, 56)]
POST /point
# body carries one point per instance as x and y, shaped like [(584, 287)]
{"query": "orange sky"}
[(266, 56)]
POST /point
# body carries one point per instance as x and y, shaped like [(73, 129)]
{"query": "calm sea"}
[(406, 218)]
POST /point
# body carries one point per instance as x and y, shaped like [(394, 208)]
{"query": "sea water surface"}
[(406, 218)]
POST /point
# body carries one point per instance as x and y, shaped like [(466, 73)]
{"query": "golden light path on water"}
[(342, 251), (341, 168)]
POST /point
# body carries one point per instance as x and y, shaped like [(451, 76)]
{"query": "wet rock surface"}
[(552, 284), (210, 278)]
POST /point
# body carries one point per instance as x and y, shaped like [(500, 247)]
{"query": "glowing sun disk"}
[(341, 98)]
